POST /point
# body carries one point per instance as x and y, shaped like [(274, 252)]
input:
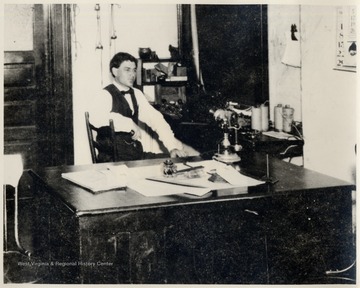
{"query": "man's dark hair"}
[(119, 58)]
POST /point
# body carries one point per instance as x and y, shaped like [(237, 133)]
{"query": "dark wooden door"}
[(233, 51), (37, 92)]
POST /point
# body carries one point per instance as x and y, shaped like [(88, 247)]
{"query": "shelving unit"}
[(168, 79)]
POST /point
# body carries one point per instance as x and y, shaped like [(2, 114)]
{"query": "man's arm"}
[(155, 120), (100, 114)]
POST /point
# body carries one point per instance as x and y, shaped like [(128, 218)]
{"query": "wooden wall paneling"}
[(54, 106), (19, 69), (61, 97), (38, 92), (20, 105)]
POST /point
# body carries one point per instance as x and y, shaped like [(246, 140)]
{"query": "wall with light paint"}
[(324, 99), (19, 37), (284, 84), (328, 97), (135, 26)]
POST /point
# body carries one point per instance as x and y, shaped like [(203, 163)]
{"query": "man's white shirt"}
[(100, 113)]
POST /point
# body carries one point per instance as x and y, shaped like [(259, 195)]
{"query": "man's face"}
[(126, 73)]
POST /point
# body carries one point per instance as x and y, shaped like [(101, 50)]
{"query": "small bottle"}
[(169, 168), (278, 118), (288, 114), (264, 117)]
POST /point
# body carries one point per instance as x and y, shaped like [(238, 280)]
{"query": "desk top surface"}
[(291, 179)]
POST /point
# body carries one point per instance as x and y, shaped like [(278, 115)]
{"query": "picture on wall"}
[(346, 38)]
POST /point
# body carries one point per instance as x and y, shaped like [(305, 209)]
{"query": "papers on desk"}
[(99, 180), (153, 188), (158, 185), (228, 173), (280, 135), (150, 181)]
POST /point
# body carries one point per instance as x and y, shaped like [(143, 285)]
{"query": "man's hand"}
[(177, 153), (136, 133)]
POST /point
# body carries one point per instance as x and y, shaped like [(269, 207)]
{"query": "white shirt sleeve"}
[(155, 120), (100, 113)]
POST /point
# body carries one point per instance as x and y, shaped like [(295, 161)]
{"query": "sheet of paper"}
[(209, 165), (180, 183), (136, 173), (232, 176), (280, 135), (119, 170), (152, 188), (96, 180), (227, 172)]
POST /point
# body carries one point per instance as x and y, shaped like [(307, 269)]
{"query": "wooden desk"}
[(289, 232), (280, 148)]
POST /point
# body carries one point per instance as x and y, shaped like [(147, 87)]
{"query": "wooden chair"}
[(94, 146), (291, 152)]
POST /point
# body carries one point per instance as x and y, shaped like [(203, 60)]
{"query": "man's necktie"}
[(134, 109), (126, 92)]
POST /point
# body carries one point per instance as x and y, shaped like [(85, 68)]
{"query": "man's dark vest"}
[(126, 147), (120, 105)]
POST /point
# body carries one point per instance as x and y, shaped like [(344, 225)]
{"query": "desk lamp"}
[(13, 169)]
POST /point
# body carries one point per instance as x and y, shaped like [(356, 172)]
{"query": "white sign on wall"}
[(346, 38)]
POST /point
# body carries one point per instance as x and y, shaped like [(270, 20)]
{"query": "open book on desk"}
[(98, 180)]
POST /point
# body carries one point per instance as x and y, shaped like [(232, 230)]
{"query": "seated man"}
[(128, 107)]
